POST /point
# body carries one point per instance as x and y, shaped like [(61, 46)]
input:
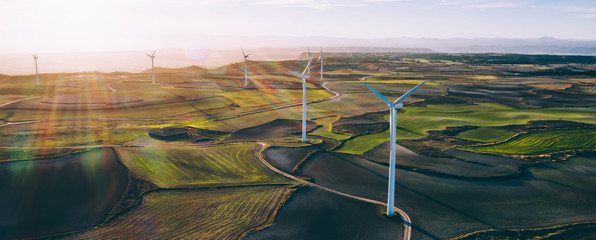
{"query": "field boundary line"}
[(18, 100)]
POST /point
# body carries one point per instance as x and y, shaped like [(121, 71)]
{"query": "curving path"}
[(111, 88), (15, 101), (403, 215)]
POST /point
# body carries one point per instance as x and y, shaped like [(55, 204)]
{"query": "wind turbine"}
[(152, 56), (392, 136), (245, 67), (304, 75), (35, 57), (321, 58), (308, 57)]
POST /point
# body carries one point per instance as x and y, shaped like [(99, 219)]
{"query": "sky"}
[(106, 25)]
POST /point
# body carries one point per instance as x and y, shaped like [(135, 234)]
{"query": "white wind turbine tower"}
[(392, 137), (321, 58), (308, 57), (304, 75), (152, 56), (35, 57), (245, 67)]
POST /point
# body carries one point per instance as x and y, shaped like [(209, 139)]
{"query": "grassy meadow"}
[(543, 142), (227, 165), (325, 129), (417, 120)]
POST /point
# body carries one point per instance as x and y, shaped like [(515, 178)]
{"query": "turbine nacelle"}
[(304, 74), (152, 55), (398, 103), (306, 68), (245, 55)]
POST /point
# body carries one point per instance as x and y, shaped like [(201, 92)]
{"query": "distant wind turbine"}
[(308, 56), (321, 60), (304, 75), (245, 67), (35, 57), (392, 137), (152, 56)]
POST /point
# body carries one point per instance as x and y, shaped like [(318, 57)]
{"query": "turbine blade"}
[(307, 66), (406, 95), (154, 53), (243, 54), (383, 98), (296, 73), (319, 59), (148, 55)]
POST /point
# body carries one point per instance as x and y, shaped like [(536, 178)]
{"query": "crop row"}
[(205, 214)]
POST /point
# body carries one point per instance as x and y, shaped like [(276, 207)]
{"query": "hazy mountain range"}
[(181, 51)]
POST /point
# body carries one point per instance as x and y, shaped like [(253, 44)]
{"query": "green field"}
[(277, 78), (543, 142), (224, 165), (267, 97), (67, 133), (417, 120), (325, 129), (227, 213), (362, 144), (485, 134), (231, 124), (164, 110)]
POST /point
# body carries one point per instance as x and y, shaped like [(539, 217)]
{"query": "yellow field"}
[(481, 77)]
